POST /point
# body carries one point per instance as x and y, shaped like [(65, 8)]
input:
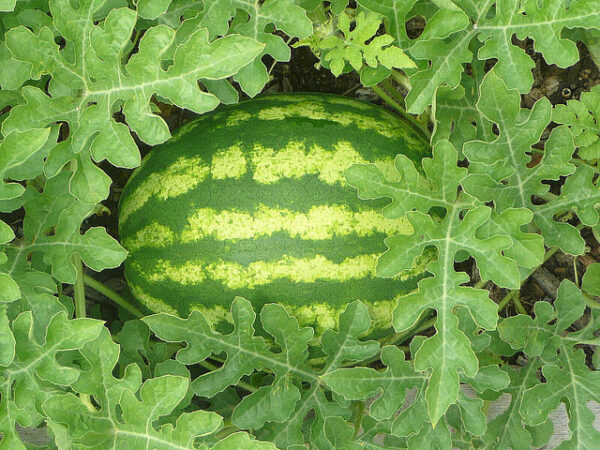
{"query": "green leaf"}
[(505, 176), (581, 195), (457, 118), (359, 45), (363, 383), (449, 350), (34, 373), (507, 430), (446, 58), (56, 210), (396, 12), (7, 5), (193, 60), (572, 382), (339, 434), (527, 249), (127, 408), (38, 292), (242, 441), (582, 116), (151, 9), (531, 20), (591, 279), (7, 340), (284, 15), (567, 377), (9, 289), (280, 407), (138, 348), (446, 43), (532, 335), (18, 151), (95, 75)]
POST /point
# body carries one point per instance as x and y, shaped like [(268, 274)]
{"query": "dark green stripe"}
[(281, 291), (263, 248)]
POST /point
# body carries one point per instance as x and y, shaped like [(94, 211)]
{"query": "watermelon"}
[(251, 200)]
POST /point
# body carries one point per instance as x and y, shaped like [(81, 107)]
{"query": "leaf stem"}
[(107, 292), (226, 431), (79, 288), (401, 79), (514, 297), (393, 92), (589, 301), (423, 133), (359, 416), (479, 284), (505, 301), (518, 305), (79, 296)]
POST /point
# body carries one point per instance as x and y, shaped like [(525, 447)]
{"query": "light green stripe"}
[(294, 161), (228, 163), (321, 222), (236, 117), (317, 111), (258, 273), (181, 176), (300, 108), (153, 235)]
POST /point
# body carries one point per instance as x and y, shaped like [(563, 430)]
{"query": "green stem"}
[(421, 326), (423, 133), (79, 294), (401, 79), (391, 90), (551, 251), (518, 305), (107, 292), (506, 300), (589, 301), (226, 431), (79, 288), (479, 284), (359, 416)]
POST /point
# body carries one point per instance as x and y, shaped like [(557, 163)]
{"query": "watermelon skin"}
[(250, 200)]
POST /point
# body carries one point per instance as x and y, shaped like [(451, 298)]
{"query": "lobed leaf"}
[(277, 409), (465, 227), (129, 409), (284, 15), (582, 116), (448, 40), (567, 377), (358, 45), (51, 226), (31, 372)]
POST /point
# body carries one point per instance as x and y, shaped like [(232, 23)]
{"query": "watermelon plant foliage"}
[(84, 84)]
